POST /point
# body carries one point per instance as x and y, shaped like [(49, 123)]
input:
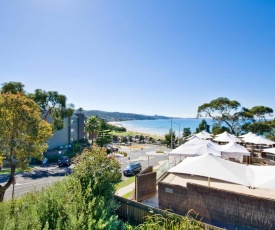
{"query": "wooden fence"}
[(135, 212)]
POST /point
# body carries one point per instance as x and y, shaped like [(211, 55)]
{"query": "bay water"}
[(161, 127)]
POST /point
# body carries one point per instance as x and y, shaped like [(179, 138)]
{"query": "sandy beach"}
[(137, 131)]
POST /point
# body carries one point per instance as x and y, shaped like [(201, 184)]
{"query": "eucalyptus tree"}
[(51, 103), (229, 115), (23, 133), (225, 112)]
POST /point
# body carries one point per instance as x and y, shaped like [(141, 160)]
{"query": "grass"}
[(125, 183), (133, 134), (17, 170), (128, 195), (159, 151)]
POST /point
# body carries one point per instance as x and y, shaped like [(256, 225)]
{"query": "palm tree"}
[(92, 127)]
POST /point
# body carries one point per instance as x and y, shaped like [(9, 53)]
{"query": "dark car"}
[(64, 160), (132, 169)]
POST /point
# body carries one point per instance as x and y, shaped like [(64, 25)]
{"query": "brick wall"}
[(173, 197), (146, 184), (219, 205)]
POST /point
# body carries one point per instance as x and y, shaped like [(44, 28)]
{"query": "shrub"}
[(83, 200), (124, 154), (159, 151)]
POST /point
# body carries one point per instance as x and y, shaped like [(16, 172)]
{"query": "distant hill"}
[(117, 116)]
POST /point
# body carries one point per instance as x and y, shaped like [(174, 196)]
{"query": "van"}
[(132, 169)]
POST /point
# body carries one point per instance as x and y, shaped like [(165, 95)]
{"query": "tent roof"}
[(233, 147), (208, 165), (247, 134), (259, 140), (227, 137), (204, 135), (269, 150), (196, 146)]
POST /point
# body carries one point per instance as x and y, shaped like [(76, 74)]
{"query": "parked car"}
[(111, 148), (132, 169), (64, 160)]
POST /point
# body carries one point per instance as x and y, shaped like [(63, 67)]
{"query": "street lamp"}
[(179, 127)]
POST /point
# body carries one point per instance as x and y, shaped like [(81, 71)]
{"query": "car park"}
[(132, 169), (64, 160)]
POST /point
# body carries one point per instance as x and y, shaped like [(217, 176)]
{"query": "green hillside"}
[(117, 116)]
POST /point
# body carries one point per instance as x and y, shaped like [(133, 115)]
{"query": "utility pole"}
[(171, 135)]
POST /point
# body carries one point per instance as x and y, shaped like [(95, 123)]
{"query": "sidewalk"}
[(126, 189)]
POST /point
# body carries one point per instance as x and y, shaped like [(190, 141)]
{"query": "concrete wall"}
[(218, 205)]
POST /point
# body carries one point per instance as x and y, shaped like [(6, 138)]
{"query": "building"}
[(74, 130)]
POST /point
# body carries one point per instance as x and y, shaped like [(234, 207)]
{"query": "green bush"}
[(169, 222), (83, 200), (159, 151), (124, 154)]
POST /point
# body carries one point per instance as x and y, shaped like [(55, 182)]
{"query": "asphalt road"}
[(43, 176)]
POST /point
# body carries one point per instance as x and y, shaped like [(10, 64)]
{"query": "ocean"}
[(161, 127)]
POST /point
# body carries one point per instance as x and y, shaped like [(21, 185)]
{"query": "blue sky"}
[(139, 56)]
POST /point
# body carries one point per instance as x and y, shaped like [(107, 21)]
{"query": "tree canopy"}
[(50, 102), (229, 115), (203, 126), (23, 133)]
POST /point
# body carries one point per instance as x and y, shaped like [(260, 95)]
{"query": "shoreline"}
[(117, 123)]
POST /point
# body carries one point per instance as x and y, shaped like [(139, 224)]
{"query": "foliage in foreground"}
[(83, 200), (170, 221)]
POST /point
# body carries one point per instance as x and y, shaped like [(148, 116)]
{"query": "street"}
[(43, 176)]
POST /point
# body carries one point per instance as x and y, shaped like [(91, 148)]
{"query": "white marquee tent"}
[(247, 134), (197, 146), (226, 137), (258, 140), (204, 135), (269, 150), (234, 150), (210, 166)]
